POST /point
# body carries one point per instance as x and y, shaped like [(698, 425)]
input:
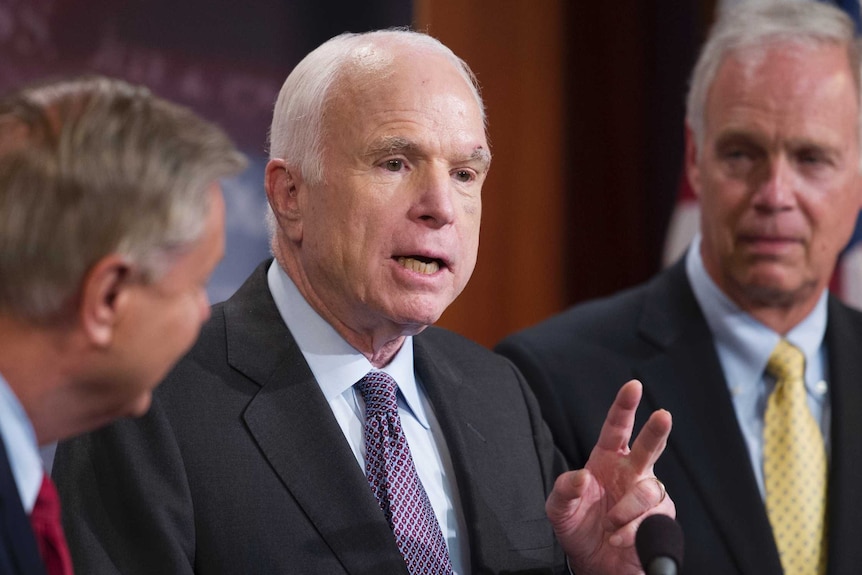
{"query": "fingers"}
[(661, 487), (617, 429), (647, 497), (568, 488), (640, 499), (651, 441)]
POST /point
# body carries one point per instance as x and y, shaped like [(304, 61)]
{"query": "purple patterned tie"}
[(395, 483)]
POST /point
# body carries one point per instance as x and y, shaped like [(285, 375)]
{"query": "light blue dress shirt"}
[(22, 448), (744, 346), (337, 367)]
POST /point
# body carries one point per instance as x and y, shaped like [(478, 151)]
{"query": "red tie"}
[(45, 519)]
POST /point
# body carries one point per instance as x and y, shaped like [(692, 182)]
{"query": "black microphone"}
[(659, 543)]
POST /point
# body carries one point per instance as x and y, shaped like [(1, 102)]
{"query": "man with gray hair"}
[(111, 221), (320, 426), (741, 339)]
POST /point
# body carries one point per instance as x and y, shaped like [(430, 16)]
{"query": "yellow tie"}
[(794, 467)]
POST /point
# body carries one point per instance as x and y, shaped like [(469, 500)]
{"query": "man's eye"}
[(739, 160), (736, 154), (464, 175), (812, 158), (394, 165)]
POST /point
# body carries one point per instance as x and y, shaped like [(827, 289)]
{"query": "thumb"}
[(566, 495)]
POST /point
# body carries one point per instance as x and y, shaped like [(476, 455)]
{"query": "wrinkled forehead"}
[(411, 109)]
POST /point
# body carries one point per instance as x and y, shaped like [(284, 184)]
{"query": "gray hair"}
[(296, 134), (758, 25), (94, 166)]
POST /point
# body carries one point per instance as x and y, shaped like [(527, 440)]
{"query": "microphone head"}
[(659, 536)]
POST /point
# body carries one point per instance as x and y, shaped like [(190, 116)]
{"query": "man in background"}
[(111, 220), (320, 426), (741, 339)]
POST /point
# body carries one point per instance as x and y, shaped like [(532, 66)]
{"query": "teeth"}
[(419, 267)]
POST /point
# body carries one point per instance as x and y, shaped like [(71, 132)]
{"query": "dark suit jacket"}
[(241, 468), (577, 361), (19, 554)]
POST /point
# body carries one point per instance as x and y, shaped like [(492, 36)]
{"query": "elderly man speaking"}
[(319, 425)]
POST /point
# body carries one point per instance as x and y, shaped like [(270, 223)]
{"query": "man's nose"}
[(776, 190), (434, 202)]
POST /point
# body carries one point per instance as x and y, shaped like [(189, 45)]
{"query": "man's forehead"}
[(434, 101), (751, 61), (785, 95), (783, 75), (384, 66), (371, 58)]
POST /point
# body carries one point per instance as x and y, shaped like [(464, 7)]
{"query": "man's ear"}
[(282, 183), (692, 169), (104, 294)]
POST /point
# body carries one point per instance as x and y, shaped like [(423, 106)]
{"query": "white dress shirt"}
[(744, 346), (337, 367), (22, 449)]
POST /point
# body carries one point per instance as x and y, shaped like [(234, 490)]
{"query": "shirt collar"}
[(740, 335), (336, 365), (22, 448)]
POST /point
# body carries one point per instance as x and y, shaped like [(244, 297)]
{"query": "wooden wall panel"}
[(585, 101), (516, 51)]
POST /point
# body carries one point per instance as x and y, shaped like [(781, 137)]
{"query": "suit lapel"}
[(686, 378), (470, 421), (458, 406), (294, 427), (844, 341), (452, 399)]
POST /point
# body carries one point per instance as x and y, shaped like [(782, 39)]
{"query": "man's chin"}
[(418, 315), (104, 416), (407, 325), (772, 291), (141, 405)]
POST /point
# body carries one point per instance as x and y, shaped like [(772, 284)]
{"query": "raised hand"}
[(595, 511)]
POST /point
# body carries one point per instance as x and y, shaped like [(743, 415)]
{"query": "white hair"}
[(751, 27)]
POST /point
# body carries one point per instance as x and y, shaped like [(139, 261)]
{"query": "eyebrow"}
[(391, 145), (737, 135), (399, 144), (754, 138), (483, 156)]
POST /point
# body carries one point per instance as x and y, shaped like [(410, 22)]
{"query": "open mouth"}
[(420, 264)]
